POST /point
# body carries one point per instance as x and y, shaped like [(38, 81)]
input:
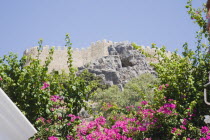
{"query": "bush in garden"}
[(31, 86), (147, 120), (169, 123), (187, 74), (144, 121), (59, 122)]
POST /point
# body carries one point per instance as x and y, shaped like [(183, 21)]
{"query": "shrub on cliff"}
[(140, 88)]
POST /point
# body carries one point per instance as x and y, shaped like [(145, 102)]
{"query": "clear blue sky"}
[(164, 22)]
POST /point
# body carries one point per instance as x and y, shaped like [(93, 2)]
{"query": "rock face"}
[(122, 64)]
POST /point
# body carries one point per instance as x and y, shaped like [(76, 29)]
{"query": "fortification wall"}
[(80, 56)]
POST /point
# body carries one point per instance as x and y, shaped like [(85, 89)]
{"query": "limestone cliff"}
[(115, 62), (121, 64)]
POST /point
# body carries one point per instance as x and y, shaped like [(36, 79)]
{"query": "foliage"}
[(97, 80), (198, 15), (141, 88), (58, 123), (142, 122), (31, 86), (187, 74), (182, 79), (137, 89)]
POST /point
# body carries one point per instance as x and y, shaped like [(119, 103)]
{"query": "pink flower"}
[(144, 102), (173, 130), (183, 127), (101, 120), (167, 85), (121, 124), (204, 129), (55, 98), (45, 85), (40, 119), (142, 129), (1, 78), (73, 117), (170, 106), (138, 107), (208, 137), (167, 108), (160, 87), (69, 137), (184, 121), (52, 138), (52, 109)]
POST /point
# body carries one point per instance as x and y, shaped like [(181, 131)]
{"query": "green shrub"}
[(140, 88), (31, 86)]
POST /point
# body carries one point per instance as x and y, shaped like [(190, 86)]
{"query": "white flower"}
[(207, 119)]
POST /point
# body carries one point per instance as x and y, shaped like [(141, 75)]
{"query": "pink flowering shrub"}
[(158, 120), (96, 130), (29, 83), (144, 121), (58, 123)]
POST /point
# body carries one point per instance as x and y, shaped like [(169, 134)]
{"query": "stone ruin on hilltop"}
[(80, 56), (115, 62)]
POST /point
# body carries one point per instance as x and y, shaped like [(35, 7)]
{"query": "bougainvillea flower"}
[(45, 85), (183, 127), (144, 102), (55, 98), (173, 130), (204, 129), (52, 138)]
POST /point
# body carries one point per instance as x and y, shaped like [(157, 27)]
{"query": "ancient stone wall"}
[(80, 56)]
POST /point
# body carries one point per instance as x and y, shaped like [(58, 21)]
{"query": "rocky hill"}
[(122, 64), (115, 62)]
